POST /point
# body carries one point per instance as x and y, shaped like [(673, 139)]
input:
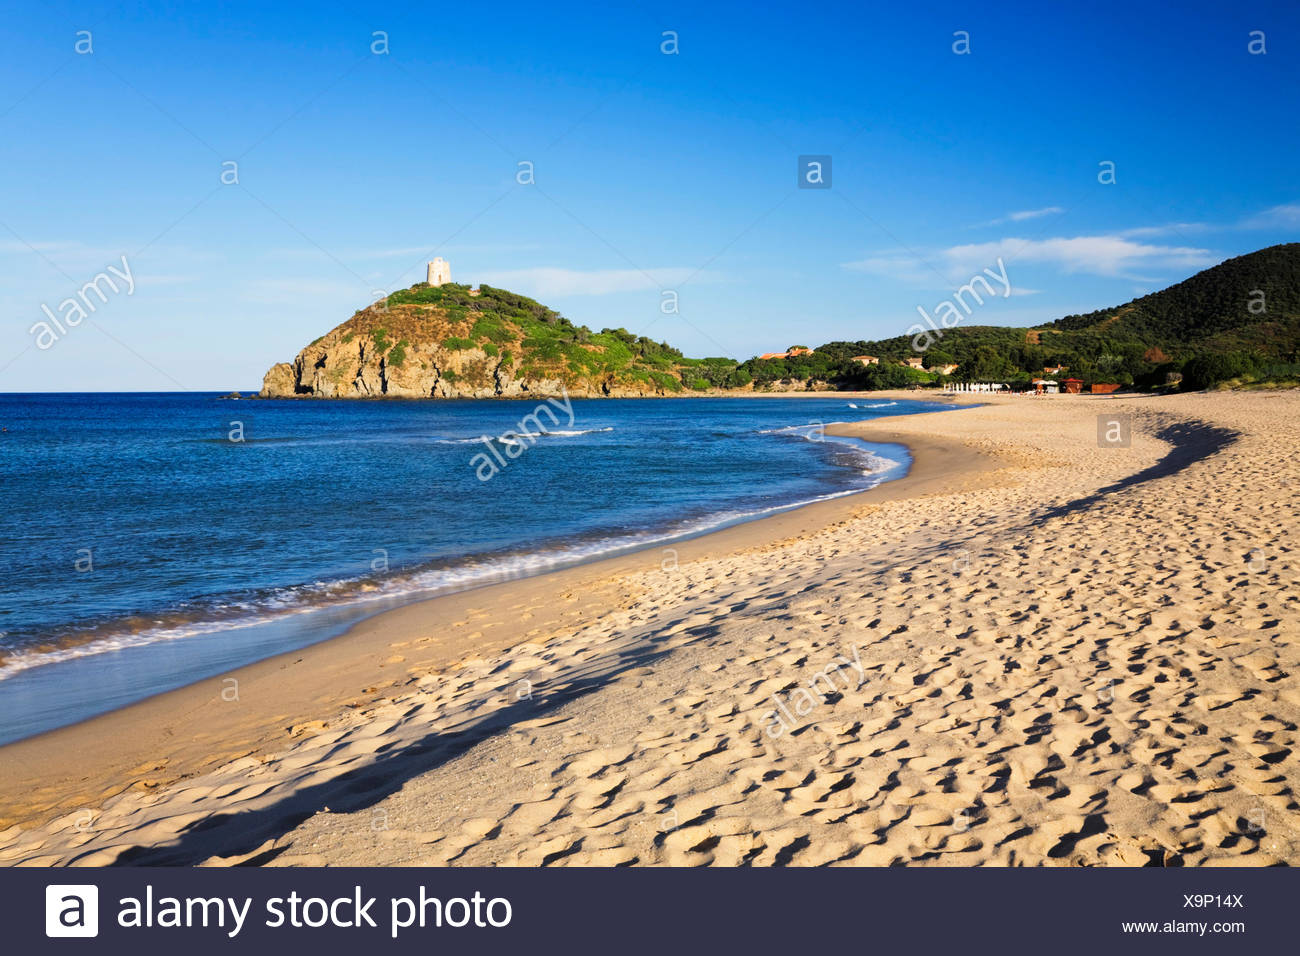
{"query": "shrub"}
[(666, 382), (419, 294), (1209, 370), (1279, 372), (492, 327)]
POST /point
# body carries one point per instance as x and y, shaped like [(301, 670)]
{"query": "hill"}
[(446, 342), (1238, 319), (1252, 301)]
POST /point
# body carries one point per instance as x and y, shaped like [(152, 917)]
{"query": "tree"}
[(987, 364), (1209, 369)]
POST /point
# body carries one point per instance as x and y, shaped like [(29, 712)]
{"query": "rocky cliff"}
[(449, 342)]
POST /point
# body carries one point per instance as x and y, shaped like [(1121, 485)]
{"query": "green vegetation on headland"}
[(451, 341), (551, 345), (1238, 323)]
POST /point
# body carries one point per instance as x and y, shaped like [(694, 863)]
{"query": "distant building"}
[(1073, 386), (799, 352), (439, 272), (1100, 389), (866, 360), (773, 355), (914, 362), (1055, 369), (943, 369)]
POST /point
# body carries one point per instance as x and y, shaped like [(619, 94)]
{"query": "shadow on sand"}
[(1192, 442), (242, 831)]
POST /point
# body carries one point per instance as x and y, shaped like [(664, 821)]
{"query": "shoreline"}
[(155, 742), (914, 395), (1045, 649)]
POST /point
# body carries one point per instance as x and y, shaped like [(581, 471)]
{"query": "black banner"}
[(648, 910)]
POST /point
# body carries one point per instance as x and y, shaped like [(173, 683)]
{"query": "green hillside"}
[(1237, 320), (544, 343), (453, 342)]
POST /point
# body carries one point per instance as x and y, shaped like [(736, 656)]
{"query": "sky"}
[(1094, 155)]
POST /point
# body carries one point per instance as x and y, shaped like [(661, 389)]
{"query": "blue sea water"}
[(150, 540)]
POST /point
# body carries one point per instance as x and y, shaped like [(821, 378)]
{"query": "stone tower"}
[(439, 272)]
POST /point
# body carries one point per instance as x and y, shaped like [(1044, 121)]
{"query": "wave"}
[(425, 582), (856, 451), (248, 609), (512, 438)]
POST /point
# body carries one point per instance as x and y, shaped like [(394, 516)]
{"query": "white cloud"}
[(289, 291), (69, 255), (17, 245), (1176, 228), (421, 253), (150, 279), (1098, 255), (1112, 255), (1023, 214), (908, 268), (544, 282), (1287, 214), (1034, 213)]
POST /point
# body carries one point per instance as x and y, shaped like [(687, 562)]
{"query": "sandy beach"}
[(1035, 649)]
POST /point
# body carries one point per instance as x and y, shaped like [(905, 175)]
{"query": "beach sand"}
[(1035, 649)]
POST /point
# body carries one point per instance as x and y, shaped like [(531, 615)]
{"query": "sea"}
[(148, 541)]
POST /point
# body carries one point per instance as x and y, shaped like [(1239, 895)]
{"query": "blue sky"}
[(653, 171)]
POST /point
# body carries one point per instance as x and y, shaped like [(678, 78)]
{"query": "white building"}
[(439, 272)]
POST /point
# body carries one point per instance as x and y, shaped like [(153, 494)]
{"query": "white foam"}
[(512, 437), (292, 601)]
